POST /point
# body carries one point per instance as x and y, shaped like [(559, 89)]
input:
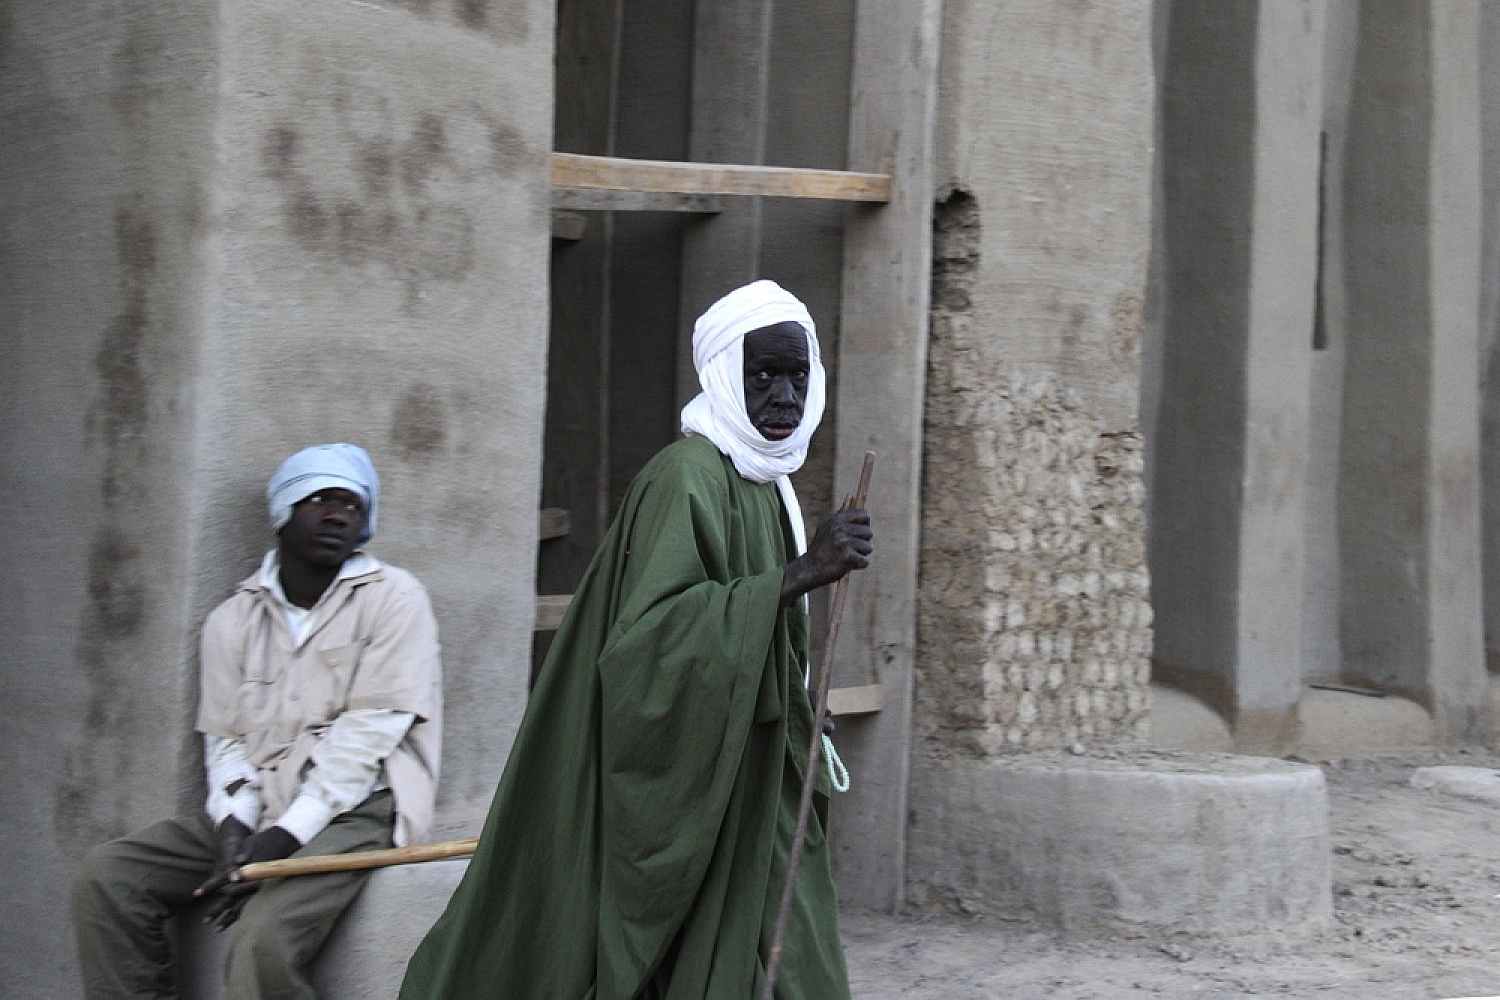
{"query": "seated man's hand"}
[(230, 895), (229, 836), (271, 844)]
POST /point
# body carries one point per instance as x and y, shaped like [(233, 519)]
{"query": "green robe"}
[(637, 843)]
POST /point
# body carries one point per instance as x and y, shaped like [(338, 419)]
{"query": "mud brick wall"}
[(1035, 622)]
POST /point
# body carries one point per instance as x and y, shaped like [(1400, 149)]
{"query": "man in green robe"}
[(638, 841)]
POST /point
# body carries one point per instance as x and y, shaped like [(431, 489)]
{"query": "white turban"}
[(323, 467), (718, 412)]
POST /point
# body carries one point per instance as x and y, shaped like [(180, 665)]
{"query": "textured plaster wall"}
[(382, 275), (1321, 656), (103, 211), (1410, 450), (1240, 122), (1489, 326), (1034, 624), (229, 231), (1035, 629)]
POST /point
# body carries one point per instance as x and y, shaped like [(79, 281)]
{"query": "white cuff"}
[(244, 805), (306, 817)]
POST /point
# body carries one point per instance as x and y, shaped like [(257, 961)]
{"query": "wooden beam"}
[(860, 700), (568, 226), (668, 177), (586, 199), (549, 611), (553, 522)]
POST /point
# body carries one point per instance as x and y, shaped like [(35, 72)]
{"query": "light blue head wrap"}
[(321, 467)]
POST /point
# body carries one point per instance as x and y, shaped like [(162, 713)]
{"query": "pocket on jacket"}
[(330, 687)]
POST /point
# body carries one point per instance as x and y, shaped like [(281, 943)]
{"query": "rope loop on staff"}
[(838, 774)]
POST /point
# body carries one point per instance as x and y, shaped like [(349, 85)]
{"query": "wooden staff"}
[(320, 864), (814, 751)]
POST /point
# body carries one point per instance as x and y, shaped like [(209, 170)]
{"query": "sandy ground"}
[(1416, 883)]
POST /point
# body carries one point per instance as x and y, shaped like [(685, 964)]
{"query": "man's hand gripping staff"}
[(841, 544), (237, 847)]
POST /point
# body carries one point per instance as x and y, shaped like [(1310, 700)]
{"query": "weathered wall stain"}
[(307, 220), (280, 151), (505, 22), (514, 23), (426, 150), (119, 416), (507, 146), (422, 7), (117, 599), (1125, 339), (122, 411), (473, 14), (508, 22), (305, 216), (140, 53), (7, 34), (419, 423), (401, 208), (445, 241), (362, 235), (376, 167), (90, 804)]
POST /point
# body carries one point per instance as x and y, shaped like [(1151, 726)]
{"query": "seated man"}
[(639, 839), (321, 719)]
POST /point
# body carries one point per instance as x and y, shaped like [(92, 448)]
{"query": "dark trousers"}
[(129, 888)]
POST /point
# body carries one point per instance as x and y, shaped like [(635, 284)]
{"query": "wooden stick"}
[(355, 860), (814, 752)]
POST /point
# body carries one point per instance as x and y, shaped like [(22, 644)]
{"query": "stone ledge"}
[(1200, 844), (1482, 783)]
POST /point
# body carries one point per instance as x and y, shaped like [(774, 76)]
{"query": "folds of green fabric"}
[(638, 839)]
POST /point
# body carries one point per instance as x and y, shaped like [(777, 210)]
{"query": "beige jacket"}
[(371, 643)]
